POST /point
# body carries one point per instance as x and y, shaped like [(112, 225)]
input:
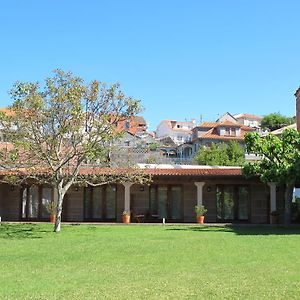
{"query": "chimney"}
[(297, 95)]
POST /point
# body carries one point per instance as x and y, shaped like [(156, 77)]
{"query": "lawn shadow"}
[(21, 231), (243, 230)]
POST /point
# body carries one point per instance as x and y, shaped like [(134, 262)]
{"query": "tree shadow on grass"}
[(244, 230), (21, 231)]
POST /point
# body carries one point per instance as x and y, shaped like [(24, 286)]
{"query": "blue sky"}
[(182, 59)]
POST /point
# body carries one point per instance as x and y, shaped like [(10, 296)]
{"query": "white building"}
[(248, 120), (179, 132)]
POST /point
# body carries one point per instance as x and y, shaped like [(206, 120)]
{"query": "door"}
[(34, 202), (166, 202), (232, 203), (100, 203)]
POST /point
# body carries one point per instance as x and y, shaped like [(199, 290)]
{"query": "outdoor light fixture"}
[(76, 188), (208, 189), (142, 188), (12, 188)]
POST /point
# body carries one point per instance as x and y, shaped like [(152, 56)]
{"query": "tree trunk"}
[(288, 194), (60, 199)]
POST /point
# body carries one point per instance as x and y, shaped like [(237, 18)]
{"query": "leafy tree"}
[(57, 130), (280, 161), (221, 154), (275, 121)]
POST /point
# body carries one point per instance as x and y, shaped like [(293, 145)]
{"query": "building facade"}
[(179, 132), (172, 194)]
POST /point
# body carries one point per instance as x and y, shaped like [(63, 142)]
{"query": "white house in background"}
[(248, 120), (179, 132)]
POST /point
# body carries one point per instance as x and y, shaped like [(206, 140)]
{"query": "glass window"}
[(111, 202), (33, 202), (97, 203), (166, 202), (24, 202), (100, 203), (46, 200), (153, 201), (232, 203), (162, 198), (176, 202), (243, 200)]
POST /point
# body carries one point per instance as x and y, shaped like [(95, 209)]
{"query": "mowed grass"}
[(149, 262)]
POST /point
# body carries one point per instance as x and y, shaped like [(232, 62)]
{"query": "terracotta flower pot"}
[(126, 219), (52, 218), (200, 219)]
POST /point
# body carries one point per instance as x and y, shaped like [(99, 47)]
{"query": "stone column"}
[(127, 186), (199, 186), (272, 186)]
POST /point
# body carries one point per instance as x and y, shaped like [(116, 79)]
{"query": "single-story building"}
[(173, 194)]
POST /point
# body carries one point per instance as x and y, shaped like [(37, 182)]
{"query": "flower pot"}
[(200, 219), (126, 219), (52, 218)]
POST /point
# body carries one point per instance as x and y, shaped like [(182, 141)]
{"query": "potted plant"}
[(126, 217), (51, 208), (200, 212), (274, 217)]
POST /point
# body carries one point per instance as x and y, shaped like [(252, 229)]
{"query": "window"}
[(232, 203), (100, 203), (34, 201), (166, 202)]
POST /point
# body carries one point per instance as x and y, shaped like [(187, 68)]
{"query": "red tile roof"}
[(6, 145), (201, 171), (248, 116), (6, 111), (228, 123), (195, 172), (207, 125)]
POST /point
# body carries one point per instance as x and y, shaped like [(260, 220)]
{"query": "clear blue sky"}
[(182, 58)]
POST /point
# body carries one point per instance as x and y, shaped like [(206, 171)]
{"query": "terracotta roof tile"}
[(6, 111), (194, 172), (207, 125), (201, 171), (248, 116), (228, 123), (213, 134), (6, 145)]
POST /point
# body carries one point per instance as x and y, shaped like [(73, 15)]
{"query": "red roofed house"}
[(225, 129), (134, 125), (216, 132), (249, 120), (173, 194)]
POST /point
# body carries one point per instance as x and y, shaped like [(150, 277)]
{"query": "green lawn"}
[(149, 262)]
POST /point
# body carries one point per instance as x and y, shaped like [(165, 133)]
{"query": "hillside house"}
[(176, 131)]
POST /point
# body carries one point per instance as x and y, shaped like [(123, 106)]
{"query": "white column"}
[(272, 186), (127, 186), (199, 186)]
